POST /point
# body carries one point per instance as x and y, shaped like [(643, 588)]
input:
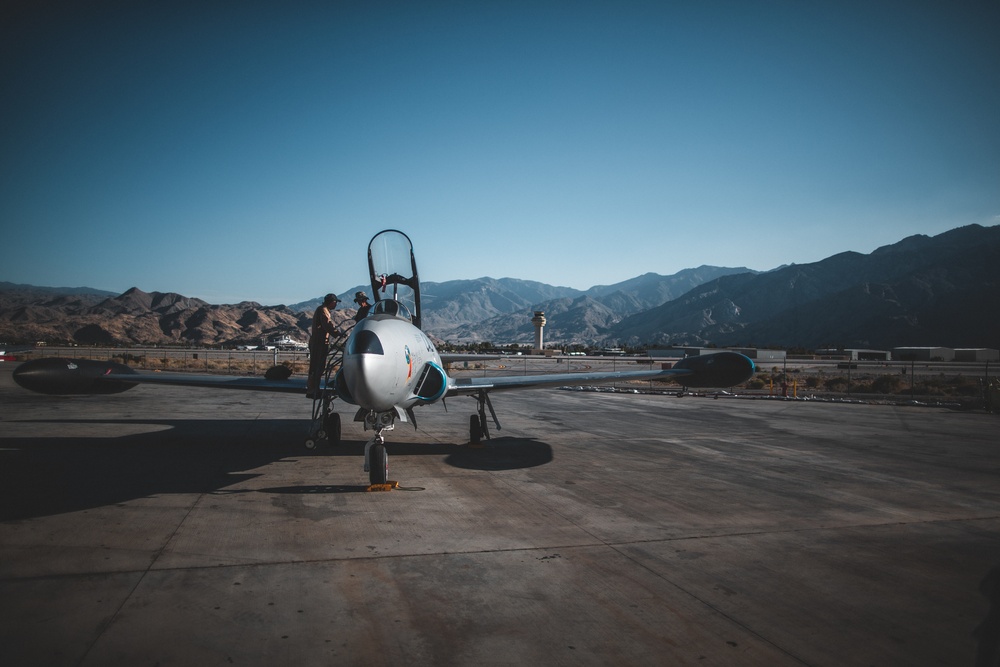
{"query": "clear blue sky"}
[(250, 150)]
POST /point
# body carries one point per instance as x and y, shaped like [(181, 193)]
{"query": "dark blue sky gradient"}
[(250, 150)]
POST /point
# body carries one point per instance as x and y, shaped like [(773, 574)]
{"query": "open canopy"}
[(393, 271)]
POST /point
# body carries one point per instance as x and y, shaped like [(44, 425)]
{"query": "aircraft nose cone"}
[(370, 380)]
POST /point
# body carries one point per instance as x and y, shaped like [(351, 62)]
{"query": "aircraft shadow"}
[(495, 454), (41, 476), (505, 453)]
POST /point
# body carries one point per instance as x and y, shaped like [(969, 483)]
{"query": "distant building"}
[(753, 353), (977, 354), (668, 353), (856, 354), (761, 355), (923, 353)]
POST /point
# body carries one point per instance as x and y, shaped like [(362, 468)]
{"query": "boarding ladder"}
[(325, 423)]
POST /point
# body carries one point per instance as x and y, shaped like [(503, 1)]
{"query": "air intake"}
[(432, 383)]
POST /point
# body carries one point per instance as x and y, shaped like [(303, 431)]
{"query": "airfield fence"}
[(966, 384)]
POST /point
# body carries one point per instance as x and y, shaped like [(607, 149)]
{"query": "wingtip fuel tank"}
[(62, 377), (721, 369)]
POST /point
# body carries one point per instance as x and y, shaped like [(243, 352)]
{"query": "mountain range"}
[(940, 290)]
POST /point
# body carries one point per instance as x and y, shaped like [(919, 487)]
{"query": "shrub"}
[(886, 384)]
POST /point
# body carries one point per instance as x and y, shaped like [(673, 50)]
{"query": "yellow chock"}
[(388, 486)]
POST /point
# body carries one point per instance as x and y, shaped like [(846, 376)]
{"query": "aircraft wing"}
[(451, 358), (52, 375), (721, 369), (474, 384), (291, 385)]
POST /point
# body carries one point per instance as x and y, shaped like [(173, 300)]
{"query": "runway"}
[(178, 526)]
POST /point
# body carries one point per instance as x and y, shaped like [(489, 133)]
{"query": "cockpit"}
[(391, 307), (393, 272)]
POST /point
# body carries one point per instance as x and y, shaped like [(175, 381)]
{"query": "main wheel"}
[(475, 429), (378, 465), (331, 424)]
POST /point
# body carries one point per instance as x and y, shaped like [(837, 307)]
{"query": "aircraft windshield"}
[(393, 272), (390, 307)]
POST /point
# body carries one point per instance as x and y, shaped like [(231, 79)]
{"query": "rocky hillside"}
[(940, 290), (500, 310), (138, 317), (458, 310), (583, 317)]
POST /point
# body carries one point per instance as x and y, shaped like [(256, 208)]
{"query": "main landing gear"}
[(477, 423)]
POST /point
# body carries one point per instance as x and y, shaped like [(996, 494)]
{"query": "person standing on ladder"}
[(319, 342)]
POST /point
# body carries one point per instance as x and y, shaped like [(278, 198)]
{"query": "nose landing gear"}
[(376, 456), (377, 461)]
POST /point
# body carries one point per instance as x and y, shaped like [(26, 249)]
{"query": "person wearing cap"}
[(363, 306), (319, 342)]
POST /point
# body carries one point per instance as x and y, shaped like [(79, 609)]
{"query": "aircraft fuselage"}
[(389, 363)]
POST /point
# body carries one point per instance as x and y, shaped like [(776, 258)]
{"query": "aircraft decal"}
[(428, 345), (409, 362)]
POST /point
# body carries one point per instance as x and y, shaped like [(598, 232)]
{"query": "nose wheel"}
[(377, 460)]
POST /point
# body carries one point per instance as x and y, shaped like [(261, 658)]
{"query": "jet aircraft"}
[(286, 342), (388, 367)]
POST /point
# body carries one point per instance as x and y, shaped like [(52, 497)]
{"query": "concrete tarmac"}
[(178, 526)]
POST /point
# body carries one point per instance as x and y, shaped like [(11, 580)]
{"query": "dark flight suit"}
[(319, 345), (362, 312)]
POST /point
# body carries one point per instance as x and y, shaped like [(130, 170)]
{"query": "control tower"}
[(539, 321)]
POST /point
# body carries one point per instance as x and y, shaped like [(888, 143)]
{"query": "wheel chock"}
[(388, 486)]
